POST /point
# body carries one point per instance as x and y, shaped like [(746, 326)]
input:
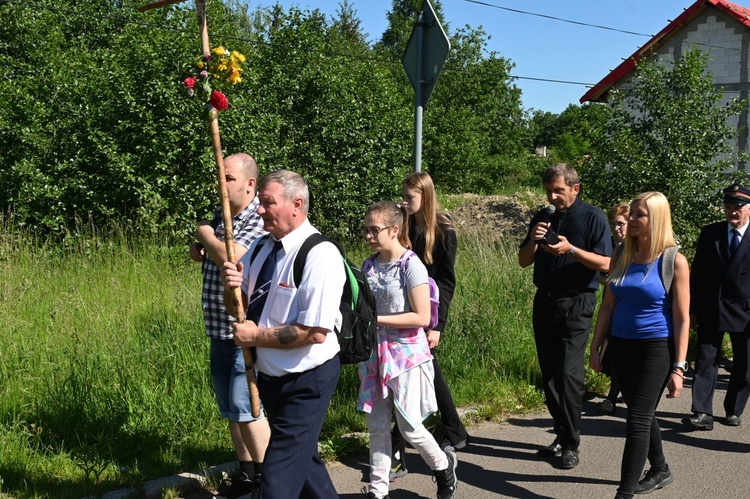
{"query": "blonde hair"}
[(393, 214), (434, 221), (661, 234)]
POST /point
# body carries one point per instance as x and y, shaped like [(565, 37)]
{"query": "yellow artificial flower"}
[(200, 65)]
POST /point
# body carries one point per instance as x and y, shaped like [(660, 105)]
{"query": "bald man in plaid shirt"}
[(249, 435)]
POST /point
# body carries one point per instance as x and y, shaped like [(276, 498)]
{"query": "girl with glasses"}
[(398, 377)]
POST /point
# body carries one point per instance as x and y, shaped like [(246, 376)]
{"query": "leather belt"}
[(555, 295)]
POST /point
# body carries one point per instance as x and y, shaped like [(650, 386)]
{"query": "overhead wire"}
[(329, 53), (589, 25)]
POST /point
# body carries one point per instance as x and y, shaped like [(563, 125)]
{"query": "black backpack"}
[(359, 319)]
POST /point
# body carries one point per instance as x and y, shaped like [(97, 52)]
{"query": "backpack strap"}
[(368, 266), (667, 267), (301, 257), (403, 263)]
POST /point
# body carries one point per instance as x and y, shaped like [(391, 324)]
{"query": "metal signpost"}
[(423, 60)]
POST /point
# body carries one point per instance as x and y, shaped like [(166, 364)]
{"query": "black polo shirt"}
[(586, 227)]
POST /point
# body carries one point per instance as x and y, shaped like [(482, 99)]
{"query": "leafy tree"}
[(474, 124), (401, 21), (544, 127), (575, 131), (337, 120), (99, 120), (95, 109), (667, 132)]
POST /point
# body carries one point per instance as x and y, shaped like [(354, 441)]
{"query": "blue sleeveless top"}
[(642, 308)]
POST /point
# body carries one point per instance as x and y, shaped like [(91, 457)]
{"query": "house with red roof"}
[(718, 27)]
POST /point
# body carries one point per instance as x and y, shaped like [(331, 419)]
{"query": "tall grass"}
[(103, 367), (104, 378)]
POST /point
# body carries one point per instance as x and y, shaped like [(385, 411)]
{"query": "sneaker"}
[(371, 495), (446, 479), (398, 469), (238, 487), (653, 480)]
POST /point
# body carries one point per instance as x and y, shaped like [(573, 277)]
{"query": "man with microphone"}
[(569, 244)]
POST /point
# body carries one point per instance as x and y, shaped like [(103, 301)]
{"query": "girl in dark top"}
[(649, 337), (434, 240)]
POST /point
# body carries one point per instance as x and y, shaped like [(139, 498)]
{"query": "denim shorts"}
[(230, 381)]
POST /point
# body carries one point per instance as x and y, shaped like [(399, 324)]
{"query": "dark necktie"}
[(735, 242), (263, 285)]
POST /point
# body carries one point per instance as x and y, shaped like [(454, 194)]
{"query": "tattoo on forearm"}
[(286, 335)]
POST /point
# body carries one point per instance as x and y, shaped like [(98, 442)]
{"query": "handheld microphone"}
[(550, 237)]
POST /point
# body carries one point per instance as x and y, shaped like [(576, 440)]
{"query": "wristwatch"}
[(681, 365), (572, 250)]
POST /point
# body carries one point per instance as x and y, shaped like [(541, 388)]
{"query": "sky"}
[(539, 47)]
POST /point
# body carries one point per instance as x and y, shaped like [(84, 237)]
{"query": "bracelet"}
[(675, 371)]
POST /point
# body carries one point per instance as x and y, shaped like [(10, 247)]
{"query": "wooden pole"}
[(226, 214)]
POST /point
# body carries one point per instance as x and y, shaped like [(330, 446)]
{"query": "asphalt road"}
[(501, 461)]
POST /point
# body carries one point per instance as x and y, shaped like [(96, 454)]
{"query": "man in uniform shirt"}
[(719, 299), (297, 348)]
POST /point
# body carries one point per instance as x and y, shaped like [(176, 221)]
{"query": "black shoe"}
[(447, 483), (700, 421), (733, 420), (238, 487), (569, 459), (398, 468), (607, 406), (653, 480), (256, 486), (552, 450)]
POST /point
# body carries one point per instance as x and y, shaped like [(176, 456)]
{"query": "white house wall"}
[(727, 41)]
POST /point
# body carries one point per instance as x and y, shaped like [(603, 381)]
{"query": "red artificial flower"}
[(190, 82), (219, 100)]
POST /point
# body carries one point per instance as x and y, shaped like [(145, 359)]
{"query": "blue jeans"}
[(643, 368), (230, 381)]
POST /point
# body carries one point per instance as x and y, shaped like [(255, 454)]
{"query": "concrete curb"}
[(183, 482)]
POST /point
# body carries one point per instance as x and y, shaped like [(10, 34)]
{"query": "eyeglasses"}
[(618, 224), (374, 231)]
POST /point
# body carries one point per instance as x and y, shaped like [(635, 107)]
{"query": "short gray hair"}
[(294, 186)]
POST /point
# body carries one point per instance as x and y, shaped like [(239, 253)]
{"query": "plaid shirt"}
[(247, 227)]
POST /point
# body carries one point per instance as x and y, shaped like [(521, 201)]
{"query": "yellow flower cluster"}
[(224, 66)]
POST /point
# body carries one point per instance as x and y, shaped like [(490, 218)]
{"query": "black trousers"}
[(296, 406), (561, 330), (454, 428), (643, 368), (707, 369)]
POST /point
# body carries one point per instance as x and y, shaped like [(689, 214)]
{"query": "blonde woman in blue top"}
[(649, 337)]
